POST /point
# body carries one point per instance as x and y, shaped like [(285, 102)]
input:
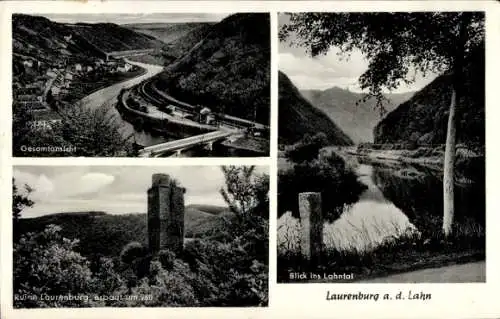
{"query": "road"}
[(470, 272)]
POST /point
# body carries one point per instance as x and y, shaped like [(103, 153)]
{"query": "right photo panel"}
[(381, 162)]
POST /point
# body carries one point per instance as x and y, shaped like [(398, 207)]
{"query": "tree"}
[(19, 203), (45, 263), (246, 193), (396, 44), (93, 132)]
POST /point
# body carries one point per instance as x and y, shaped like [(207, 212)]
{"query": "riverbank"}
[(396, 224)]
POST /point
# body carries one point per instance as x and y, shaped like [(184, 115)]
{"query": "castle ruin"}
[(165, 214)]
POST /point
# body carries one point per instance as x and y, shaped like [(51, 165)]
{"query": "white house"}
[(78, 67), (55, 90), (51, 73), (28, 63)]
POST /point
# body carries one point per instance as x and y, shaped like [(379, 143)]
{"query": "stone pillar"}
[(311, 220), (165, 215)]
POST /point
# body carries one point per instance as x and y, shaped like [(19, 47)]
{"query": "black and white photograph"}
[(134, 236), (381, 161), (141, 85)]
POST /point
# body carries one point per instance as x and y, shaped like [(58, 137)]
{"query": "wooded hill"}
[(228, 70), (423, 119), (42, 39), (297, 117), (106, 234)]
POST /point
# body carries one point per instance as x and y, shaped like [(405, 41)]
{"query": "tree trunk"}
[(449, 168)]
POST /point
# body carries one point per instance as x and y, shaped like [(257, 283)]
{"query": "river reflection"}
[(397, 200), (369, 221)]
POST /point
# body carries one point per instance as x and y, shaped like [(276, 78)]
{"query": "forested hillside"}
[(423, 119), (355, 117), (43, 39), (228, 71), (297, 117), (107, 234)]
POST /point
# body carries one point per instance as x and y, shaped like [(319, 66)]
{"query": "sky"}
[(326, 71), (112, 189), (127, 18)]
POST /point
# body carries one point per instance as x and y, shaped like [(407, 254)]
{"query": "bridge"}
[(179, 145)]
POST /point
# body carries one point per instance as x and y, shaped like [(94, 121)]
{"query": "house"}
[(28, 63), (51, 73), (44, 120), (55, 90), (206, 115), (25, 97), (125, 68), (78, 67), (68, 76), (88, 68)]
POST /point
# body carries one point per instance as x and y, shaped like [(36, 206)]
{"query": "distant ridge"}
[(357, 119), (297, 117)]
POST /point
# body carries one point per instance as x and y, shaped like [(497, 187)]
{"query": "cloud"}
[(132, 18), (332, 69), (42, 187), (113, 189), (323, 72)]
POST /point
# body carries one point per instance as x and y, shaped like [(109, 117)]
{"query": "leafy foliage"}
[(246, 193), (327, 175), (20, 201), (80, 132), (306, 149), (423, 119), (132, 251), (46, 264)]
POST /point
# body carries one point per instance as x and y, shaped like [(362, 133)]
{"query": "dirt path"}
[(470, 272)]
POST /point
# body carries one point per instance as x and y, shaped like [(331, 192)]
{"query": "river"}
[(397, 199), (108, 96)]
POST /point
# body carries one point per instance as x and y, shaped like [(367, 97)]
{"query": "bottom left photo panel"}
[(136, 236)]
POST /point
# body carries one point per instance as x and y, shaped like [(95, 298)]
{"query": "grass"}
[(406, 251)]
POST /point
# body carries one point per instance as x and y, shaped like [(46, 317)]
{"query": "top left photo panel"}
[(141, 85)]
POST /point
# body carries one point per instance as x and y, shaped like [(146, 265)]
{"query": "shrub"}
[(337, 184), (166, 258), (307, 149), (131, 252), (47, 257)]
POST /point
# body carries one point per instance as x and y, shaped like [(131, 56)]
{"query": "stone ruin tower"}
[(165, 214)]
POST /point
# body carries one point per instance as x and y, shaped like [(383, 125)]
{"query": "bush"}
[(166, 258), (47, 257), (132, 251), (307, 149), (337, 184)]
